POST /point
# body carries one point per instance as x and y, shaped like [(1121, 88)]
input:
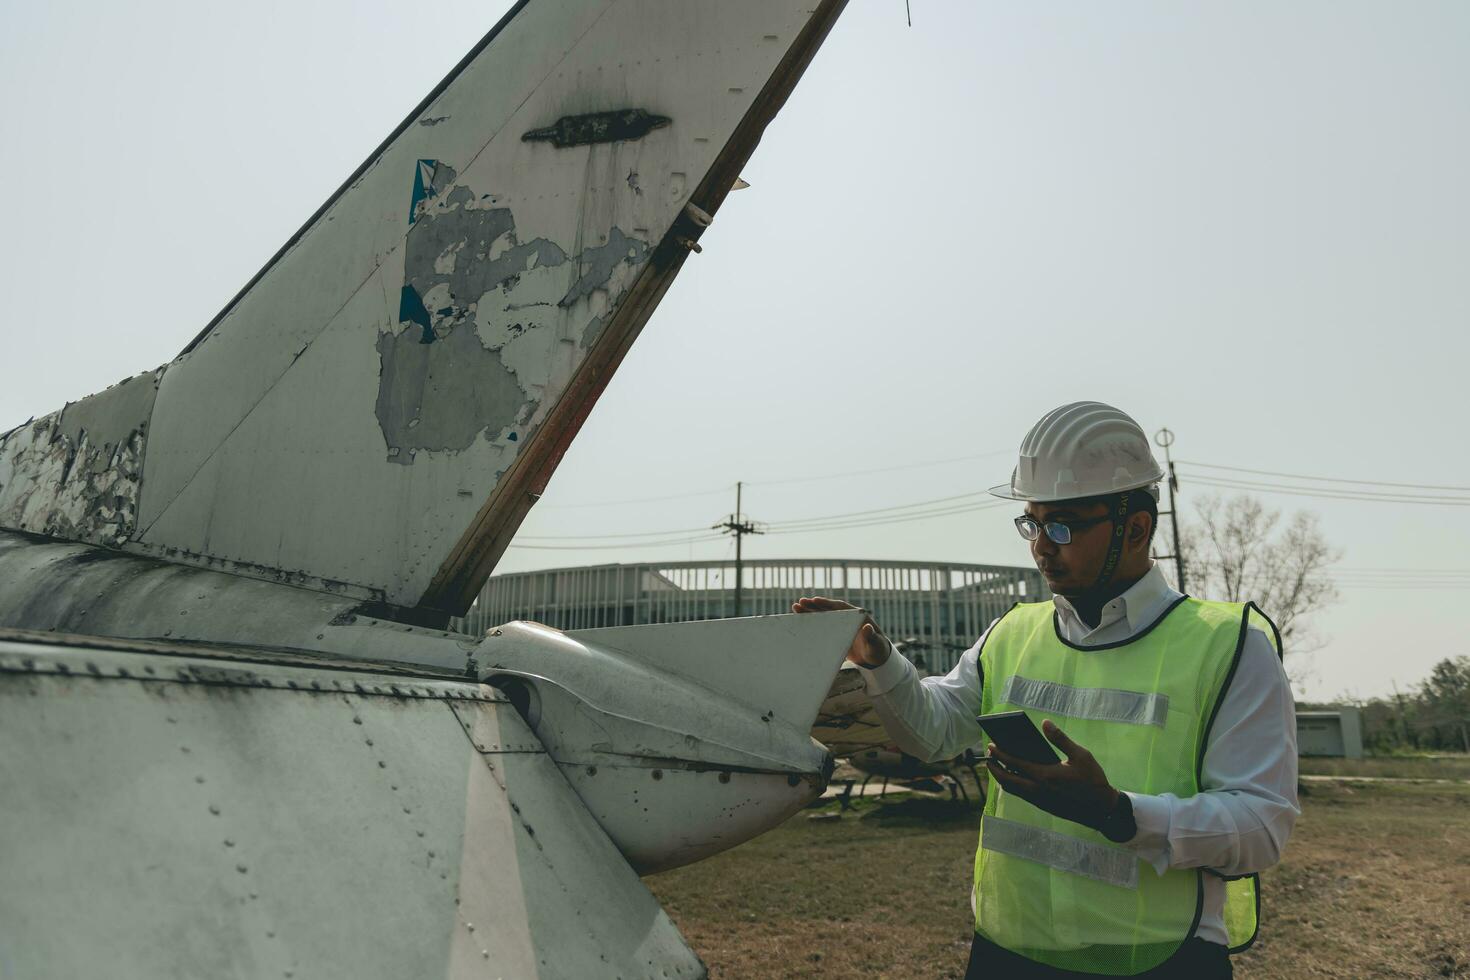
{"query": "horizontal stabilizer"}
[(783, 664)]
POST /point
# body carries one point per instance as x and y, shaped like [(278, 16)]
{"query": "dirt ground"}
[(1375, 883)]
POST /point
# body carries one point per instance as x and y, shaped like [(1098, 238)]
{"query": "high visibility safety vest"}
[(1060, 893)]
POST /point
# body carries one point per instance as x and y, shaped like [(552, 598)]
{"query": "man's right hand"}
[(870, 648)]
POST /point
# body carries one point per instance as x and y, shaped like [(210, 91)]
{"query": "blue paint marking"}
[(411, 309), (423, 186), (512, 437)]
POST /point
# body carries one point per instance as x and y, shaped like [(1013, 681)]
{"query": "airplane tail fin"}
[(375, 413)]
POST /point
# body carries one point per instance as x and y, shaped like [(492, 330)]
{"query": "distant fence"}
[(934, 610)]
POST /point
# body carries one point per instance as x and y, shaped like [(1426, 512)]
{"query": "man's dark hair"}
[(1139, 501)]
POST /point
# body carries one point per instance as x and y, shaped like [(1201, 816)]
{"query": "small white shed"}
[(1336, 732)]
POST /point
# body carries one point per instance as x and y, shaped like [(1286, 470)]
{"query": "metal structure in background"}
[(935, 610), (1165, 439), (1336, 732), (739, 527)]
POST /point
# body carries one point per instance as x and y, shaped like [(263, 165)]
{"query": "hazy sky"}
[(1248, 221)]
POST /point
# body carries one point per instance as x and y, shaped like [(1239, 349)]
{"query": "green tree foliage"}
[(1433, 717), (1446, 697)]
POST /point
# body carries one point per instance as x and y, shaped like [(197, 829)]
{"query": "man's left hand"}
[(1076, 789)]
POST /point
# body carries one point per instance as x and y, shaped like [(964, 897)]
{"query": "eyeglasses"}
[(1059, 531)]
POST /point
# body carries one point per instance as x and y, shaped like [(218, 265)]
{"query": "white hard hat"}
[(1085, 449)]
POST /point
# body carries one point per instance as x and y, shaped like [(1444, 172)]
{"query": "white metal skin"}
[(426, 324), (230, 743), (733, 701), (248, 802), (55, 586), (189, 817), (682, 739)]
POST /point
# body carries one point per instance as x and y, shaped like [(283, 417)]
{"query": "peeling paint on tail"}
[(379, 407), (476, 302), (76, 473), (425, 186)]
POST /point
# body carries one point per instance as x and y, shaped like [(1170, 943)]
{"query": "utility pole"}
[(1398, 700), (1165, 439), (738, 526)]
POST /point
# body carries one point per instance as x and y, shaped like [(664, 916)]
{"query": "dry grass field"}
[(1375, 883), (1392, 767)]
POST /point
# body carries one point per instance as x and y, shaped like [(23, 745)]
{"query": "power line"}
[(1404, 577), (1391, 573), (1326, 493), (611, 547), (595, 537), (778, 483), (1326, 479), (881, 510), (1389, 587), (879, 469), (1401, 579), (899, 519), (637, 500), (1332, 491), (1406, 582), (1401, 568), (900, 513), (1385, 578), (965, 503)]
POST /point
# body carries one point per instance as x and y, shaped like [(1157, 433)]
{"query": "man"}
[(1137, 853)]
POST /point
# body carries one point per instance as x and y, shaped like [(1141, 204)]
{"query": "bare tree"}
[(1239, 551)]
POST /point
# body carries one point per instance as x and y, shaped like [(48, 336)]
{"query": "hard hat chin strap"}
[(1115, 544)]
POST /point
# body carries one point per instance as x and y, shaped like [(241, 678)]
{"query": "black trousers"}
[(1196, 960)]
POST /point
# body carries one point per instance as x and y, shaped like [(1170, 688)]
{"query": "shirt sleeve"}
[(930, 718), (1240, 820)]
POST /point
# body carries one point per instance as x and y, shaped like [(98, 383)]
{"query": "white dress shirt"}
[(1240, 820)]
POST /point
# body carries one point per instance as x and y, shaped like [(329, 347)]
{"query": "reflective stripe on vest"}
[(1095, 703), (1061, 851), (1053, 890)]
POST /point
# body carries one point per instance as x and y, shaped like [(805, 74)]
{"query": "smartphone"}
[(1017, 734)]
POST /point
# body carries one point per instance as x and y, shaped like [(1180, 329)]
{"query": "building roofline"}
[(748, 562)]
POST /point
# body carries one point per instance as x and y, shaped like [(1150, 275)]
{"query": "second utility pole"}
[(740, 528), (1165, 438)]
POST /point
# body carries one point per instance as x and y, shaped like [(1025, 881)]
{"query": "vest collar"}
[(1057, 627), (1133, 611)]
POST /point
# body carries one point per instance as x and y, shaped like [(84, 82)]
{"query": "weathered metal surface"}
[(74, 588), (74, 474), (184, 819), (682, 739), (361, 430), (420, 332), (419, 356), (473, 557), (721, 708), (598, 127)]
